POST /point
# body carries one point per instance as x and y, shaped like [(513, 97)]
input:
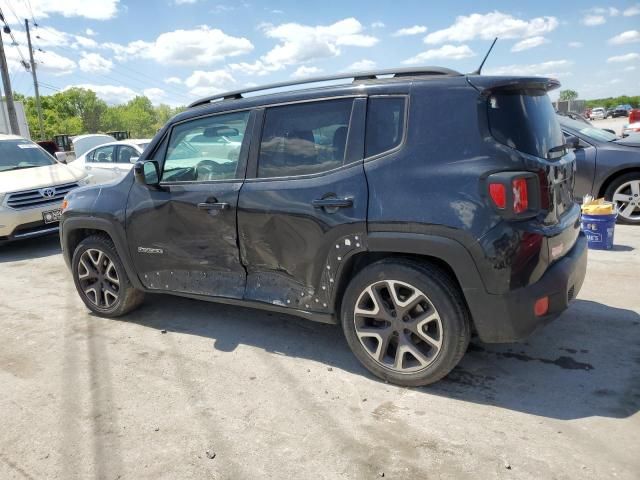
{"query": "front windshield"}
[(18, 154), (589, 131)]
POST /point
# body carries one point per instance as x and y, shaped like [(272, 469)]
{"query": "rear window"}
[(526, 121), (18, 154)]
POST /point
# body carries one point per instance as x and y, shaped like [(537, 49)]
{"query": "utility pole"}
[(35, 80), (8, 94)]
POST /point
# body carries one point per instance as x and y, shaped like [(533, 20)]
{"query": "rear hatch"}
[(521, 116)]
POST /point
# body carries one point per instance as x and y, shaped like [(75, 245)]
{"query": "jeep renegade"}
[(413, 207)]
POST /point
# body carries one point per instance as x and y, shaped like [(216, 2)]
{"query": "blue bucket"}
[(599, 230)]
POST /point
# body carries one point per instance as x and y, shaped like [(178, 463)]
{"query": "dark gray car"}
[(607, 166)]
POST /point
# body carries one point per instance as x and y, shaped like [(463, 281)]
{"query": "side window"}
[(125, 154), (304, 138), (385, 124), (205, 149), (89, 156), (104, 154)]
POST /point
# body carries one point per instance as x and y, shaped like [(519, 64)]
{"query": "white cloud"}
[(575, 44), (258, 68), (93, 9), (303, 72), (528, 43), (553, 68), (630, 36), (198, 47), (591, 20), (90, 33), (84, 42), (450, 52), (184, 2), (407, 31), (156, 95), (613, 81), (112, 94), (632, 11), (613, 12), (490, 25), (174, 80), (361, 65), (303, 43), (378, 25), (202, 83), (630, 68), (94, 63), (48, 61), (629, 57)]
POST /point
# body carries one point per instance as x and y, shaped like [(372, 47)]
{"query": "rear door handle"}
[(332, 202), (213, 206)]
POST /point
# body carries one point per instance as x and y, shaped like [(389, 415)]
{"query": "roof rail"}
[(357, 76)]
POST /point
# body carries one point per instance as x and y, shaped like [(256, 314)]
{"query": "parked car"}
[(83, 143), (607, 166), (621, 111), (597, 113), (111, 161), (352, 204), (32, 186)]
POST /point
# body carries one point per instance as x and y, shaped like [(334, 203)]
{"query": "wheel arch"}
[(75, 229), (448, 254), (613, 176)]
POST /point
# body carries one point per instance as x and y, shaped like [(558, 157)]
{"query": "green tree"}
[(568, 95), (83, 103)]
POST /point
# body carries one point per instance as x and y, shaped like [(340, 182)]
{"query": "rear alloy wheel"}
[(406, 321), (398, 326), (625, 193), (100, 278)]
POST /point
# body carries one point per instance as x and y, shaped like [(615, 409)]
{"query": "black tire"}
[(611, 190), (128, 297), (441, 292)]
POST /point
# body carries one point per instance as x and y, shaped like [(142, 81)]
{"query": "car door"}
[(101, 163), (585, 167), (123, 163), (183, 235), (302, 210)]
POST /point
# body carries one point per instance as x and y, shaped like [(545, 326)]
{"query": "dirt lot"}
[(185, 389), (615, 124)]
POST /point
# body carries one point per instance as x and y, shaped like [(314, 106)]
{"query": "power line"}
[(7, 29), (28, 4)]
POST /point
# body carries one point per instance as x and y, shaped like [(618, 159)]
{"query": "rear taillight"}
[(520, 195), (515, 194), (498, 194)]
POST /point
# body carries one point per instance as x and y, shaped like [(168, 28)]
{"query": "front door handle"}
[(213, 206), (332, 202)]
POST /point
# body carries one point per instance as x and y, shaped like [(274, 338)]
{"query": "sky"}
[(175, 51)]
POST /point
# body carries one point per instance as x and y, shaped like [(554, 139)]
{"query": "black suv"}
[(413, 207)]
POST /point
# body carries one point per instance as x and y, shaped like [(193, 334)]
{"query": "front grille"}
[(39, 196)]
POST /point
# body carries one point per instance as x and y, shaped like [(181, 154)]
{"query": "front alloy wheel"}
[(98, 278), (627, 199), (398, 326)]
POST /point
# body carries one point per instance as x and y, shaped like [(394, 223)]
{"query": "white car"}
[(110, 161), (597, 113), (32, 187)]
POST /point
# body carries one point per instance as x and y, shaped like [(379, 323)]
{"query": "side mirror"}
[(61, 157), (573, 142), (147, 172), (134, 159)]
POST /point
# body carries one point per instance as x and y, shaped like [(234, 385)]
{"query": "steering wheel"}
[(205, 168)]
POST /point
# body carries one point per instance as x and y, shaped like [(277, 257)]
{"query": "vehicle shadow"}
[(584, 364), (30, 248)]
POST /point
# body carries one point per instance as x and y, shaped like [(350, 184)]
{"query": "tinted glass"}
[(125, 154), (304, 138), (385, 124), (205, 149), (526, 121), (17, 154), (104, 154)]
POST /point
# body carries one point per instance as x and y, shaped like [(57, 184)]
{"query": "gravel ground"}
[(183, 389), (615, 124)]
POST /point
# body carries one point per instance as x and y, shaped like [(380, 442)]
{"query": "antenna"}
[(477, 72)]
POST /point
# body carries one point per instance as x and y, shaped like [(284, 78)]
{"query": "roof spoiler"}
[(482, 83)]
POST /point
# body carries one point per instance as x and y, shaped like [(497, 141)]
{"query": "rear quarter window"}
[(525, 120), (385, 124)]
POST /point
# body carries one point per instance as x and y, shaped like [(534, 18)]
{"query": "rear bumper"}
[(509, 317)]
